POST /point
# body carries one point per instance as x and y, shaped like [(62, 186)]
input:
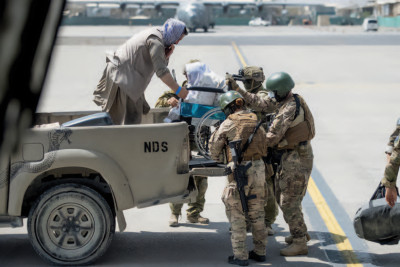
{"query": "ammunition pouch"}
[(300, 131), (297, 134)]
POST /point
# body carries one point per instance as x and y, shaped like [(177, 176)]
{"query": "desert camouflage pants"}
[(271, 207), (291, 185), (194, 208), (256, 186)]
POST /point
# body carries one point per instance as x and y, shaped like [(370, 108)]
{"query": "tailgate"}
[(199, 165)]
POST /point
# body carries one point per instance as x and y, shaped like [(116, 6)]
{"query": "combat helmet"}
[(281, 84), (254, 77), (226, 100)]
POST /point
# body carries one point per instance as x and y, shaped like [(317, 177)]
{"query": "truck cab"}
[(71, 182)]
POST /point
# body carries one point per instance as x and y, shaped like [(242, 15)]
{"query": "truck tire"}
[(71, 224)]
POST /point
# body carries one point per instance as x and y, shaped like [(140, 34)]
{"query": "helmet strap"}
[(253, 87), (229, 110)]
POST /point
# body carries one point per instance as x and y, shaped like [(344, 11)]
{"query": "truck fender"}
[(22, 177)]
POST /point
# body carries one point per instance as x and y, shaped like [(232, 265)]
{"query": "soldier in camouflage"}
[(167, 99), (240, 124), (391, 172), (393, 136), (289, 137), (254, 77)]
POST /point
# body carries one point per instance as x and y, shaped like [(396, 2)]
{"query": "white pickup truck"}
[(72, 181)]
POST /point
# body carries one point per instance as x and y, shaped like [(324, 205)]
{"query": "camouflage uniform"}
[(295, 161), (392, 137), (162, 101), (195, 208), (201, 182), (271, 208), (240, 125), (392, 168)]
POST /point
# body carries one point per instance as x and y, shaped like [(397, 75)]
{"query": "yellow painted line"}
[(341, 240), (239, 54), (338, 235)]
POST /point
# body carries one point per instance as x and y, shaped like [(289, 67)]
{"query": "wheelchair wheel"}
[(208, 123)]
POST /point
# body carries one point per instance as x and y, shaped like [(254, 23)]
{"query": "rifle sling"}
[(298, 105), (251, 197), (248, 142)]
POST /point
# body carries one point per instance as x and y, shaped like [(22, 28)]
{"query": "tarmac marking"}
[(343, 244), (239, 54)]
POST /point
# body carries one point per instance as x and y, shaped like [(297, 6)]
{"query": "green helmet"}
[(280, 83), (226, 99), (254, 77)]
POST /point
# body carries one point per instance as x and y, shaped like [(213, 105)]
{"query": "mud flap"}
[(121, 221)]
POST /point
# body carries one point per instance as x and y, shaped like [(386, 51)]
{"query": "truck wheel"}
[(71, 224)]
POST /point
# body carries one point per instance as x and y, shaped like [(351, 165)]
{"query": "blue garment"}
[(198, 110)]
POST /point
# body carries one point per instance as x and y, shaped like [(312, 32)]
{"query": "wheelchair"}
[(203, 120)]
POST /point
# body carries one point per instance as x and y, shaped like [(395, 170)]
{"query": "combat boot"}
[(256, 257), (298, 247), (269, 230), (173, 220), (289, 239), (197, 219), (233, 260)]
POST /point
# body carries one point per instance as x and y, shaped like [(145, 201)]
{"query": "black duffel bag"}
[(377, 222)]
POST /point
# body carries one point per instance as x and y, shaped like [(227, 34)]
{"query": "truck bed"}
[(199, 165)]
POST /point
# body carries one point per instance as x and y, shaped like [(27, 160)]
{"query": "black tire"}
[(71, 224), (206, 126), (205, 29)]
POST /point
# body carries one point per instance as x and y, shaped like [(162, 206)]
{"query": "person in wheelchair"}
[(197, 74)]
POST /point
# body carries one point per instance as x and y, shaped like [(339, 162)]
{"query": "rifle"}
[(236, 77), (239, 173)]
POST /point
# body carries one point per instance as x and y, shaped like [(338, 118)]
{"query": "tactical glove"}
[(231, 165), (231, 82)]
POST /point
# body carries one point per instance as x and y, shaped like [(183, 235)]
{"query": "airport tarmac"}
[(349, 79)]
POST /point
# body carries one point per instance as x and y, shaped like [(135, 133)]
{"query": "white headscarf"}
[(200, 75), (172, 30)]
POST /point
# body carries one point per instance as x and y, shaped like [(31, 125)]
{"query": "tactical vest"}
[(302, 128), (245, 125)]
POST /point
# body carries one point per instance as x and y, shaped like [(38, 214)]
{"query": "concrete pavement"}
[(352, 89)]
